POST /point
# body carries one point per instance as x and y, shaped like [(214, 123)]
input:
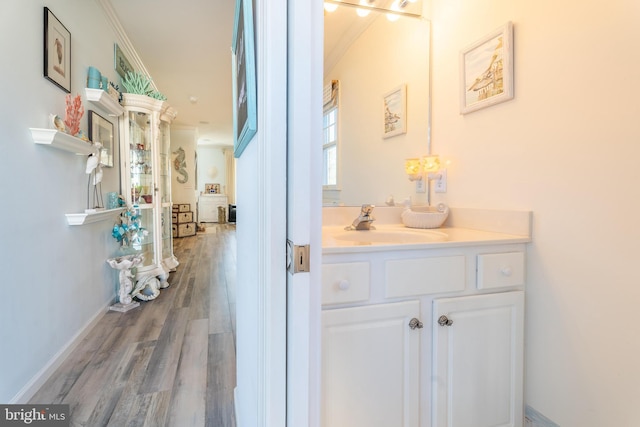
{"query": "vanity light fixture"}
[(364, 7), (396, 6), (330, 7), (364, 11)]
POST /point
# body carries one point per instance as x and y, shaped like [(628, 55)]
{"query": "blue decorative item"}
[(129, 231), (94, 78), (112, 200)]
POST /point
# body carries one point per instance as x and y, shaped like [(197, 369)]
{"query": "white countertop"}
[(336, 240)]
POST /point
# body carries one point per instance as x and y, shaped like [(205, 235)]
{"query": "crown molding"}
[(123, 39)]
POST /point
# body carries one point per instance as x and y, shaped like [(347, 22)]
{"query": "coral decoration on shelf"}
[(73, 114)]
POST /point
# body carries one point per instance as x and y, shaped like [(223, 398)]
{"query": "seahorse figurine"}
[(180, 165)]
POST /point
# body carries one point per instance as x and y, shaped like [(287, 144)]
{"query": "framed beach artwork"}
[(486, 70), (394, 105), (244, 77), (57, 51), (212, 188)]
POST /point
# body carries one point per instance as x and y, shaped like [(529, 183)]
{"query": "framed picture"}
[(101, 130), (395, 112), (486, 71), (121, 63), (244, 77), (212, 188), (57, 51)]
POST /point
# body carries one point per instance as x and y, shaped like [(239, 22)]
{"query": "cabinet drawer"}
[(188, 229), (345, 282), (500, 270), (422, 276), (185, 217)]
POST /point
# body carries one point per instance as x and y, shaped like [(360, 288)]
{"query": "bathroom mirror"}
[(404, 7), (374, 58)]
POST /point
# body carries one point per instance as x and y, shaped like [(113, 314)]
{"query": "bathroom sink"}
[(389, 237)]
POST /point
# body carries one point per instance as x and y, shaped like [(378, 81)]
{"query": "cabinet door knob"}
[(444, 321), (415, 324), (506, 271), (343, 285)]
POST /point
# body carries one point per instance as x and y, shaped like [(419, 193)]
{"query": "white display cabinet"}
[(146, 181)]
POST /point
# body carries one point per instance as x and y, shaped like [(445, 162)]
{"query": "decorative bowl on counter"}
[(425, 216)]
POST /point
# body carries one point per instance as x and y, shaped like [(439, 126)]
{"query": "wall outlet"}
[(441, 184), (420, 186)]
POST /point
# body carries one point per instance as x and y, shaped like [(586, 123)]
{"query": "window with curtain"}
[(330, 138)]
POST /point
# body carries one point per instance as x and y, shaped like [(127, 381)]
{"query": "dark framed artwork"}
[(57, 51), (244, 77), (101, 130)]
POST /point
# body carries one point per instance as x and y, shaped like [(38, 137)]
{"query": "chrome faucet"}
[(364, 220)]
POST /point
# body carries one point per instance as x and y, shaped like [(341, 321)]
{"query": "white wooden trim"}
[(271, 49), (304, 208)]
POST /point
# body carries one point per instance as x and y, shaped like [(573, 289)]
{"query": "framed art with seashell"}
[(57, 51)]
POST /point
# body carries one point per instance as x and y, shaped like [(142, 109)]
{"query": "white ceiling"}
[(186, 48)]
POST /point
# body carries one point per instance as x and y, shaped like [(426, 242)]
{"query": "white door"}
[(279, 198), (261, 183), (370, 365), (304, 208), (478, 360)]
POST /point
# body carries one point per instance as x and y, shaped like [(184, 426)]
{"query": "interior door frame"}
[(304, 208)]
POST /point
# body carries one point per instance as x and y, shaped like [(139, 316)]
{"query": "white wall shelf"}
[(104, 100), (91, 217), (61, 140)]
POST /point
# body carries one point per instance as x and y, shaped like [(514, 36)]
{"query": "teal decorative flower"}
[(128, 231)]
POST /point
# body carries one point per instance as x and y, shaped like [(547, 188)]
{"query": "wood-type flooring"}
[(169, 362)]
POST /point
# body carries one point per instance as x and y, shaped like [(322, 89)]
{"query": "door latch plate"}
[(297, 258)]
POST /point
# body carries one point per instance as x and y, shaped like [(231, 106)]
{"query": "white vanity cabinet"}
[(469, 371), (370, 366), (208, 206), (478, 360)]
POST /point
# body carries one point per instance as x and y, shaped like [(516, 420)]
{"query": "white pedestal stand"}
[(125, 264)]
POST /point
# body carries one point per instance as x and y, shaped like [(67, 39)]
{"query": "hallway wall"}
[(211, 167), (567, 148), (184, 138), (55, 278)]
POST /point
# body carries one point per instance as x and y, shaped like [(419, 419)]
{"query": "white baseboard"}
[(235, 406), (45, 373), (534, 418)]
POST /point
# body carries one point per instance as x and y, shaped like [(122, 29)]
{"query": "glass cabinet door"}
[(141, 179), (165, 190), (147, 182)]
